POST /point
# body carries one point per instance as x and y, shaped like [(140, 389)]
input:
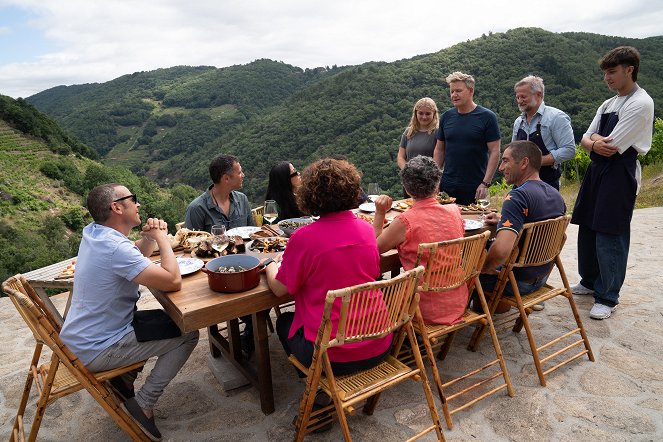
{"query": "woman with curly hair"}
[(284, 180), (419, 136), (425, 222), (337, 251)]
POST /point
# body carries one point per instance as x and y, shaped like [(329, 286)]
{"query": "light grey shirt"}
[(203, 212)]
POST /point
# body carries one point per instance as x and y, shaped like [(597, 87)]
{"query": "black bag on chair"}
[(154, 325)]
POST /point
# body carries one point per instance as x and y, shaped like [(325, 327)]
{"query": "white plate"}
[(472, 224), (367, 207), (189, 265), (244, 231)]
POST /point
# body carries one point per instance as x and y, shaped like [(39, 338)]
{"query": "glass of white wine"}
[(219, 238), (271, 211), (373, 191)]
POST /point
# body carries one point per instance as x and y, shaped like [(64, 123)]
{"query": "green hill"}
[(168, 123), (44, 179)]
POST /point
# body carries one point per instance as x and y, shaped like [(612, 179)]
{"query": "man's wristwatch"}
[(267, 262), (485, 183)]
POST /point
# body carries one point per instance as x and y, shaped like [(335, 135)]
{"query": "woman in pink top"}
[(337, 251), (426, 221)]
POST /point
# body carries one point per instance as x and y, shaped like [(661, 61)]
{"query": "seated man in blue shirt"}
[(221, 203), (99, 327), (530, 200)]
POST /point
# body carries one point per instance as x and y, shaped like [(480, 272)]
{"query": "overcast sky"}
[(46, 43)]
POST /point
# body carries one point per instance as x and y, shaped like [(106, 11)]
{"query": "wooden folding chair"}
[(538, 243), (368, 311), (64, 374), (450, 264)]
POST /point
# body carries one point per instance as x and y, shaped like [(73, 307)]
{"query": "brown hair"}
[(525, 148), (329, 185), (624, 55)]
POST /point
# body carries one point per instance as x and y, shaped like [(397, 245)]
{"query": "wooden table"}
[(45, 278)]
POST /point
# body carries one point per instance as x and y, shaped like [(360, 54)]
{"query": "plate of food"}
[(369, 219), (472, 224), (244, 231), (402, 206), (267, 245), (288, 226), (189, 265), (68, 271), (367, 207)]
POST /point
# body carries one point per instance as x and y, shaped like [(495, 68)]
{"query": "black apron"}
[(548, 174), (607, 195)]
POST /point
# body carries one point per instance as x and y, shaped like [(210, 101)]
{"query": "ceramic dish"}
[(472, 224)]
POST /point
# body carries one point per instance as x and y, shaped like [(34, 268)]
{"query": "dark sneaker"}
[(145, 423), (246, 343), (122, 389), (321, 401)]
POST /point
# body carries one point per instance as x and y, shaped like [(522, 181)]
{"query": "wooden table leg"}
[(212, 336), (261, 340)]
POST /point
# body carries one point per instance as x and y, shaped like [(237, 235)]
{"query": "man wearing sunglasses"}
[(100, 325)]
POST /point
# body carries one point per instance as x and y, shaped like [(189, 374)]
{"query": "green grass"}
[(651, 193)]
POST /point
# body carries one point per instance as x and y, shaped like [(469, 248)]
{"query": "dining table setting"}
[(222, 281)]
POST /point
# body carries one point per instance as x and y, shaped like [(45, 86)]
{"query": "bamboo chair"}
[(450, 264), (538, 243), (257, 215), (360, 320), (64, 374)]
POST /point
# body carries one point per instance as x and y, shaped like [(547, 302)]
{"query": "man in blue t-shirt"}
[(100, 327), (530, 200), (468, 143)]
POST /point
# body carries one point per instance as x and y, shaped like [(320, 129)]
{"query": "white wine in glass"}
[(373, 191), (483, 203), (271, 211), (219, 238)]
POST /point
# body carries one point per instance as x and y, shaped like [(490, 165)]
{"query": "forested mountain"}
[(169, 123), (45, 174)]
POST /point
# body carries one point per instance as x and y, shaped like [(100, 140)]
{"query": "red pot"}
[(237, 281)]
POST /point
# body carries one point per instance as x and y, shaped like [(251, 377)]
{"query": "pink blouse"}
[(337, 251), (425, 222)]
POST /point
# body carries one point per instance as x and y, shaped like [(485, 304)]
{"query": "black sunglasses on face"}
[(133, 197), (294, 174)]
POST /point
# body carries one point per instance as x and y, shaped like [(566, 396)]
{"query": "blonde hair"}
[(459, 76), (424, 103)]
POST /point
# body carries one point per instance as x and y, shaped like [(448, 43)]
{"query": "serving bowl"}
[(232, 282), (290, 225)]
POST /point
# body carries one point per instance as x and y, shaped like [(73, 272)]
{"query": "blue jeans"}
[(488, 284), (602, 262)]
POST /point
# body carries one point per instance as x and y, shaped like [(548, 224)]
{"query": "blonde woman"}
[(419, 136)]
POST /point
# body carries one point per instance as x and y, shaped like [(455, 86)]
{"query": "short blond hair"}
[(459, 76)]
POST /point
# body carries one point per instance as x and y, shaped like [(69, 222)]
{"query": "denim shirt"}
[(556, 132), (203, 212)]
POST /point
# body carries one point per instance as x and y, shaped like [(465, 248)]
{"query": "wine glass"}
[(219, 238), (373, 191), (271, 211), (483, 202)]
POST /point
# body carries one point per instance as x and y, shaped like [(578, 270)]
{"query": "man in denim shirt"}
[(221, 203), (547, 127)]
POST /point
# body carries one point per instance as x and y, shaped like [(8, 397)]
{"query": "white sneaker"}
[(539, 307), (600, 311), (579, 289)]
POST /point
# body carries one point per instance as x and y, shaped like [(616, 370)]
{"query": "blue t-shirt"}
[(532, 201), (104, 297), (465, 139)]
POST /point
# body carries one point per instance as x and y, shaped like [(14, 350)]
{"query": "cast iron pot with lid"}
[(232, 282)]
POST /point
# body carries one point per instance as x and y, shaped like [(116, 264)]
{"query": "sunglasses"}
[(294, 174), (133, 197)]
